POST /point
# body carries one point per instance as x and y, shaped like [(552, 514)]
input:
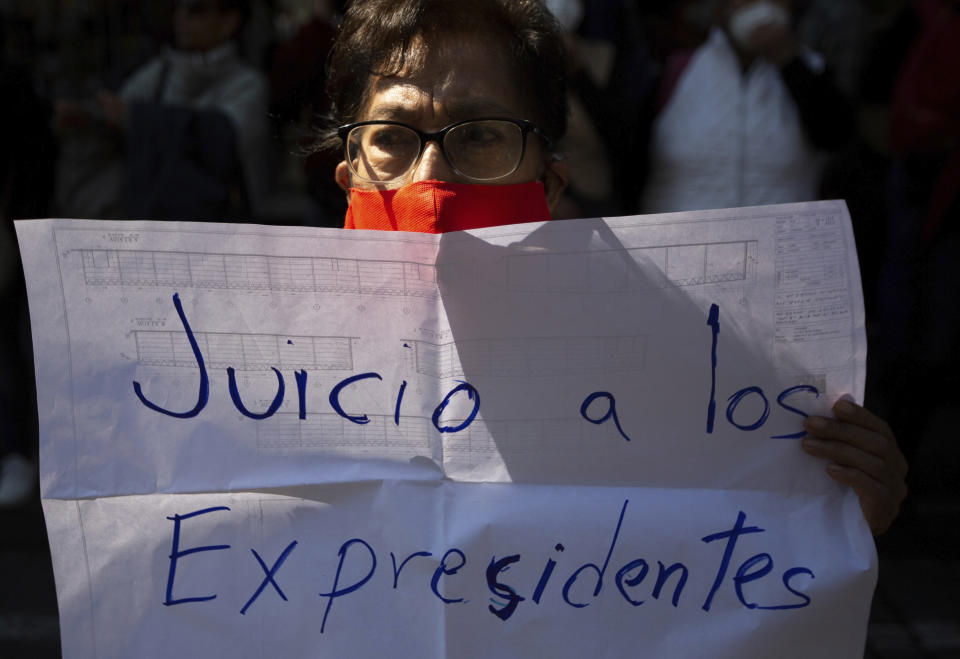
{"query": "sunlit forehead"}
[(455, 79)]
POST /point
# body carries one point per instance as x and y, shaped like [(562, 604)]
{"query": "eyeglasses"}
[(484, 149)]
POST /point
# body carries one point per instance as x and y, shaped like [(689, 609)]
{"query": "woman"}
[(448, 111), (435, 68)]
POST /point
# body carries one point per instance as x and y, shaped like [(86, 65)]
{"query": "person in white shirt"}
[(748, 120)]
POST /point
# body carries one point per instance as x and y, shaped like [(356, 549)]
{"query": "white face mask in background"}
[(569, 13), (746, 19)]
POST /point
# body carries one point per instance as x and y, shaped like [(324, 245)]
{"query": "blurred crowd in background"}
[(204, 110)]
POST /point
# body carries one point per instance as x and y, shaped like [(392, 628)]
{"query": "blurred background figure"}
[(919, 280), (582, 147), (299, 99), (610, 76), (868, 41), (745, 119), (186, 137), (27, 153), (836, 30)]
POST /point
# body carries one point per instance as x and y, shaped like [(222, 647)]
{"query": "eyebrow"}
[(389, 112)]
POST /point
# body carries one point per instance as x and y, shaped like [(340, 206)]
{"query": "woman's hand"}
[(862, 453)]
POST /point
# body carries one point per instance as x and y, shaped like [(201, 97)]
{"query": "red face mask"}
[(438, 207)]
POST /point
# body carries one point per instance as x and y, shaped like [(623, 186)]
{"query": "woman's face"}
[(465, 78)]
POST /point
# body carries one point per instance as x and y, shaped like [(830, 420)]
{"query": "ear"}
[(555, 180), (342, 177)]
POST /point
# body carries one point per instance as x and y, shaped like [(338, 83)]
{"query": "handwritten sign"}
[(558, 439)]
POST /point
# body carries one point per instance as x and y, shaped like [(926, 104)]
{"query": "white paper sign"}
[(565, 439)]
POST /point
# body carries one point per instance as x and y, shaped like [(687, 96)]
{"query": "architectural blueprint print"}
[(256, 272), (260, 439), (245, 352), (812, 279), (535, 356), (353, 302), (681, 265), (329, 433)]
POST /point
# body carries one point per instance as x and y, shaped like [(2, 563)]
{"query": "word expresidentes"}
[(472, 394), (579, 589)]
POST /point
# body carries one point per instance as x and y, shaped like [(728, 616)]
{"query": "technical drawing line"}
[(604, 271), (328, 432), (525, 437), (331, 433), (683, 265), (257, 272), (530, 356), (812, 299), (245, 352)]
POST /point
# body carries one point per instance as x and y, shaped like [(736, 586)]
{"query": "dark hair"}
[(376, 37)]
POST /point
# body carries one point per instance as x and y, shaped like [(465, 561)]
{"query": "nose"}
[(433, 166)]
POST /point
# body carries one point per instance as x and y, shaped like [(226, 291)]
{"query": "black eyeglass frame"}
[(439, 136)]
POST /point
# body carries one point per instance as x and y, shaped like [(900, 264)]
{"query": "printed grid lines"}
[(255, 272), (245, 352)]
